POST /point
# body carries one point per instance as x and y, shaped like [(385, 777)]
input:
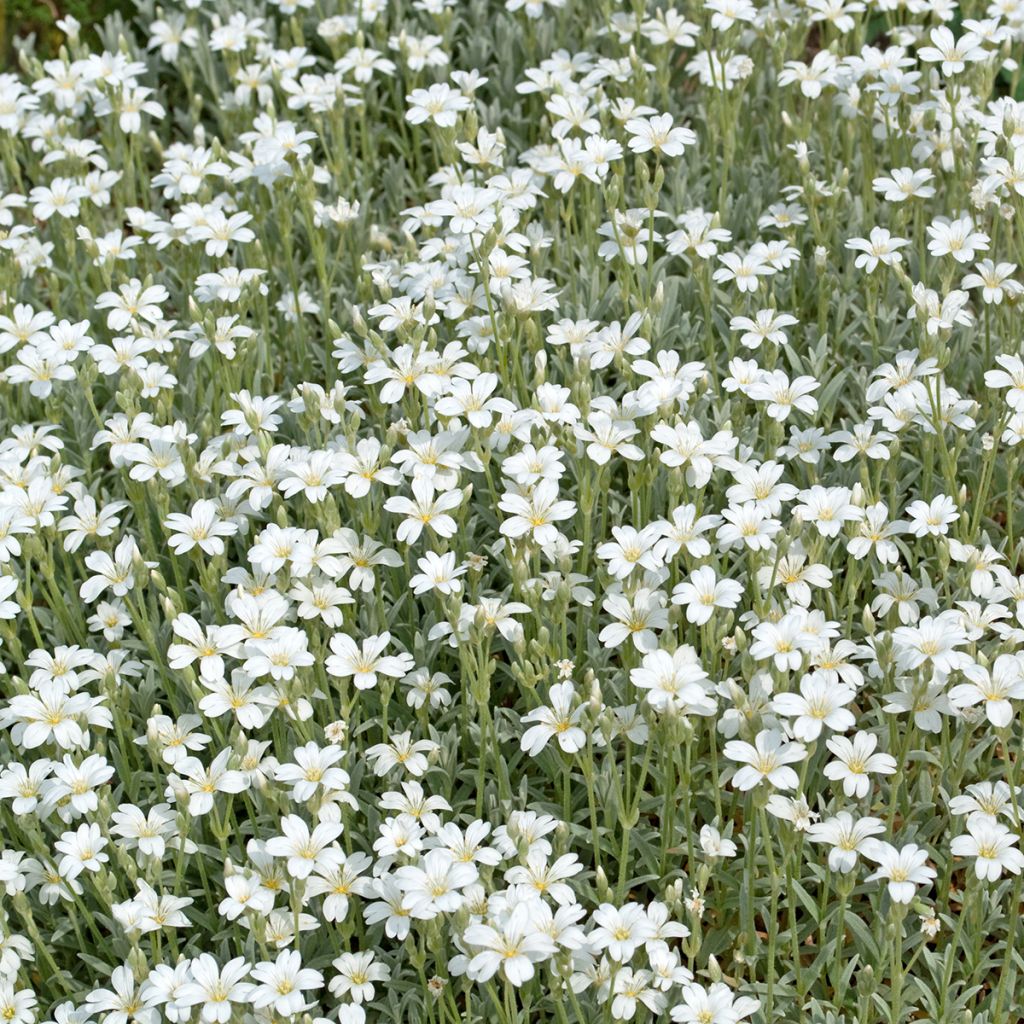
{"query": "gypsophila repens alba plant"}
[(510, 513)]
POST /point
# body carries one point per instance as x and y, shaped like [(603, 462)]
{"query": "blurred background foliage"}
[(20, 19)]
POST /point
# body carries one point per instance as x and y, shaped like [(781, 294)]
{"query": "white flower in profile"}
[(249, 704), (133, 300), (245, 892), (39, 370), (785, 642), (206, 644), (956, 238), (81, 850), (714, 845), (742, 269), (538, 876), (314, 767), (766, 325), (401, 751), (792, 572), (748, 524), (12, 523), (905, 868), (993, 847), (278, 656), (556, 720), (994, 279), (17, 1006), (932, 518), (905, 183), (933, 640), (362, 468), (313, 476), (150, 831), (112, 573), (471, 400), (875, 533), (765, 760), (781, 395), (685, 446), (51, 714), (62, 197), (607, 436), (201, 782), (360, 557), (1011, 376), (631, 549), (986, 800), (634, 988)]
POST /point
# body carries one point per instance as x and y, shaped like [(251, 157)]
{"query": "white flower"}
[(821, 703), (425, 508), (904, 867), (954, 54), (879, 247), (847, 836), (636, 618), (438, 573), (905, 183), (433, 886), (279, 984), (658, 134), (993, 687), (214, 988), (302, 848), (956, 238), (511, 944), (765, 760), (993, 847), (714, 1005), (674, 681), (556, 721), (536, 513), (438, 103), (855, 761), (366, 661), (704, 592)]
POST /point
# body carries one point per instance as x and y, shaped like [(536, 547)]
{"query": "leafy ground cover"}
[(511, 512)]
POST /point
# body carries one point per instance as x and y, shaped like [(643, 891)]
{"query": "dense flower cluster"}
[(508, 512)]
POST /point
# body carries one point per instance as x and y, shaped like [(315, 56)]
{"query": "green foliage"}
[(22, 18)]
